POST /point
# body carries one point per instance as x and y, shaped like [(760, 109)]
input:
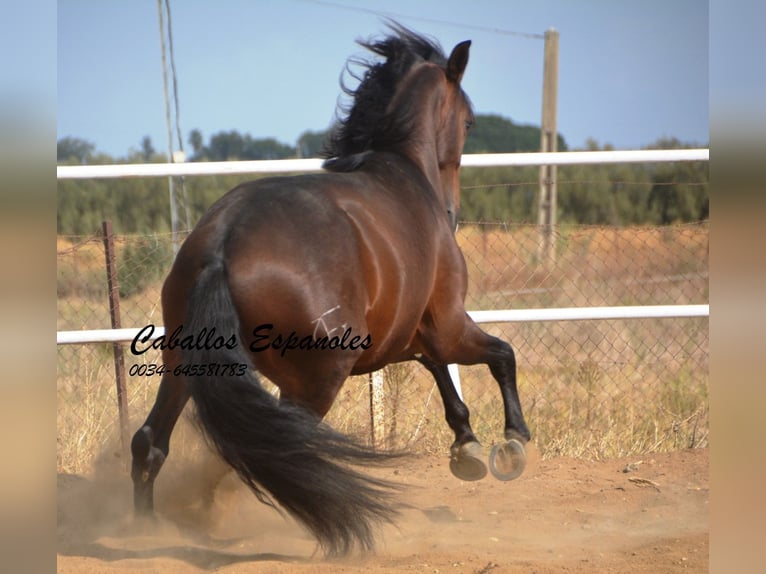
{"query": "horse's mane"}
[(366, 126)]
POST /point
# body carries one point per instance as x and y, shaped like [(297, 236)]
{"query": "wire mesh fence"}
[(589, 388)]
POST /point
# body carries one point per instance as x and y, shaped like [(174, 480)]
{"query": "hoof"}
[(508, 460), (467, 463)]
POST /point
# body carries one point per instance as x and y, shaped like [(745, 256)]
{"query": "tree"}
[(267, 148), (680, 191), (310, 143), (197, 144), (225, 145), (495, 134), (74, 150), (147, 149), (232, 145)]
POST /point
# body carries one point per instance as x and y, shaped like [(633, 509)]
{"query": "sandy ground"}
[(562, 515)]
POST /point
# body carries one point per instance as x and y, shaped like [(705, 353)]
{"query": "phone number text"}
[(204, 369)]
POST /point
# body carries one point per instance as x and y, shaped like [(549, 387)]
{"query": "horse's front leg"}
[(466, 454), (507, 460), (502, 364)]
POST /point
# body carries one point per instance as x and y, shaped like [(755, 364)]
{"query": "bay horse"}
[(309, 279)]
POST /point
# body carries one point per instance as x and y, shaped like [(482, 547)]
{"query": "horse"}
[(308, 279)]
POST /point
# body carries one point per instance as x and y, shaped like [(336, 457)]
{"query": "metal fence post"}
[(114, 315)]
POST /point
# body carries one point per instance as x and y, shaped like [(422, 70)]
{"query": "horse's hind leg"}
[(466, 456), (151, 443)]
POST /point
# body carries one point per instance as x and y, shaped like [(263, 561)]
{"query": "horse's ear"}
[(458, 60)]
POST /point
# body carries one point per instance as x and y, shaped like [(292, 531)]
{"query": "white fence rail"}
[(293, 165), (494, 316)]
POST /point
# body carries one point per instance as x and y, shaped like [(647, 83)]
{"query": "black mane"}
[(366, 126)]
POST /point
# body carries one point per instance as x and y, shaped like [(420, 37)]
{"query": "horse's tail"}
[(281, 451)]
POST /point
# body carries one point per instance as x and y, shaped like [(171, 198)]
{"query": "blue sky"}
[(629, 72)]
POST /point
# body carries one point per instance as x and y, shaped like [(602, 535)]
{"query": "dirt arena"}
[(638, 515)]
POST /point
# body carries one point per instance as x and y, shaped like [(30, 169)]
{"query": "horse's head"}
[(430, 101), (411, 104), (455, 119)]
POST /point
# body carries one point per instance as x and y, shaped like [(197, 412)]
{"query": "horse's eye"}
[(468, 125)]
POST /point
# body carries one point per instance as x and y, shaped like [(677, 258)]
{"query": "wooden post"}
[(377, 420), (546, 214), (114, 314)]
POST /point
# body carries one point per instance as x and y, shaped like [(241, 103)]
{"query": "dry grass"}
[(88, 417), (589, 389)]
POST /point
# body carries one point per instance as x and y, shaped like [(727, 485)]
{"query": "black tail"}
[(281, 451)]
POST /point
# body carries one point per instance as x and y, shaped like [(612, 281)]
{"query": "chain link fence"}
[(593, 389)]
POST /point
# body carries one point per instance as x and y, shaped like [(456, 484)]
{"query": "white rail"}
[(590, 313), (307, 165), (499, 316)]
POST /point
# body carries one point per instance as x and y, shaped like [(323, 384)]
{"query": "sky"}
[(630, 72)]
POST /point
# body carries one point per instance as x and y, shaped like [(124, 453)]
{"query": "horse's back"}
[(321, 253)]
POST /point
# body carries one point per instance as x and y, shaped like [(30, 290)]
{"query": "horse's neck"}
[(420, 90), (421, 150), (428, 163)]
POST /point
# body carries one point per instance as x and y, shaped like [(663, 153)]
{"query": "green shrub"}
[(142, 262)]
